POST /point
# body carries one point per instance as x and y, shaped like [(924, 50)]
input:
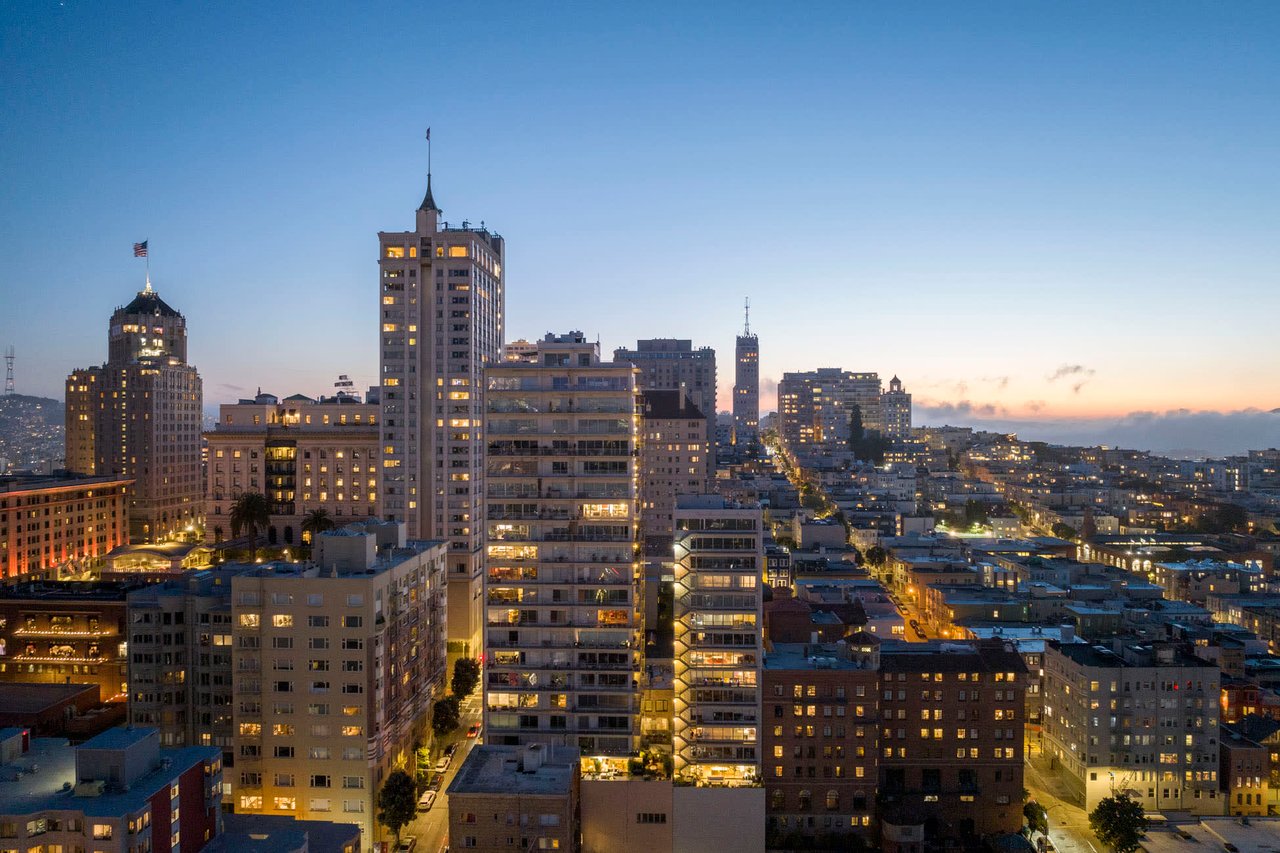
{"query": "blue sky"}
[(973, 196)]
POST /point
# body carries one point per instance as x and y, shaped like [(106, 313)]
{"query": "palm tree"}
[(250, 513), (316, 522)]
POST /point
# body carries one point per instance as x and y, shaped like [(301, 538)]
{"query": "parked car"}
[(442, 764), (451, 749), (436, 783), (426, 801), (474, 731), (407, 845)]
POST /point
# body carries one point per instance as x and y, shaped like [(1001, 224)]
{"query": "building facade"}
[(180, 659), (816, 407), (675, 460), (516, 798), (57, 526), (820, 741), (671, 364), (562, 589), (139, 417), (303, 454), (895, 411), (336, 666), (1138, 717), (719, 569), (66, 633), (441, 320)]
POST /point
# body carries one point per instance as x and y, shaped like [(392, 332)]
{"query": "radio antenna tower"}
[(8, 376)]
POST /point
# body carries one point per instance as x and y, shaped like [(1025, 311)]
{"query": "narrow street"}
[(1068, 823), (431, 828)]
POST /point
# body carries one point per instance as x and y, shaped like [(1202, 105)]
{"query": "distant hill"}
[(31, 433), (43, 409)]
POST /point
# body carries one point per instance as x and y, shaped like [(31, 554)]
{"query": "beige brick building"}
[(441, 319), (54, 526), (303, 454), (336, 666)]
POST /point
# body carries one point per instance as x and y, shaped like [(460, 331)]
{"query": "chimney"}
[(532, 758)]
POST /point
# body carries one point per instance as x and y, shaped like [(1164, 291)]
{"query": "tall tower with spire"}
[(441, 316), (746, 384), (139, 415)]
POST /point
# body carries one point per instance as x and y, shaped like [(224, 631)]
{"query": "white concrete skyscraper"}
[(441, 315)]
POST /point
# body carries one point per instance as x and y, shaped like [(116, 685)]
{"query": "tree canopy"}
[(1119, 822), (250, 513), (445, 716), (397, 802), (466, 676)]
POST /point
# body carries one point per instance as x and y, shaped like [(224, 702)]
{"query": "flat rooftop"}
[(26, 697), (493, 769), (43, 790), (793, 656)]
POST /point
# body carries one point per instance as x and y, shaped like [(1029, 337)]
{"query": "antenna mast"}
[(9, 356), (746, 327)]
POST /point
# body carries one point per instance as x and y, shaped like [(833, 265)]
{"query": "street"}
[(1068, 823), (432, 828)]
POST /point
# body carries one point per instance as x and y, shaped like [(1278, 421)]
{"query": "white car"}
[(443, 763), (426, 801)]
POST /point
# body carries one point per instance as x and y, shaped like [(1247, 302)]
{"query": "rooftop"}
[(25, 697), (492, 769), (789, 656), (44, 778)]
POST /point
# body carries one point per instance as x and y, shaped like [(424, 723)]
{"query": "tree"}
[(1063, 531), (866, 444), (397, 802), (1119, 822), (876, 556), (975, 512), (1232, 518), (317, 521), (444, 716), (250, 513), (466, 675), (1037, 817)]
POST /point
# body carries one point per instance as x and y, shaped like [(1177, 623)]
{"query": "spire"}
[(746, 326), (429, 201)]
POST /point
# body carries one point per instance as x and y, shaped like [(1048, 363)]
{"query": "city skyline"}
[(924, 176)]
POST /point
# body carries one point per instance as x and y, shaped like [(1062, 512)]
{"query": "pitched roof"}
[(149, 302)]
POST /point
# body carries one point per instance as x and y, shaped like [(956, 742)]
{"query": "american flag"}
[(140, 249)]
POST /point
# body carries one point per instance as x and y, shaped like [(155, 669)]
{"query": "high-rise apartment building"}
[(669, 364), (952, 719), (303, 454), (746, 386), (441, 319), (816, 408), (562, 588), (895, 411), (820, 739), (719, 569), (180, 659), (336, 665), (1140, 717), (79, 520), (139, 415), (674, 460)]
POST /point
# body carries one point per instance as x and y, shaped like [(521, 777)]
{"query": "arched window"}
[(833, 800), (271, 534), (778, 799), (806, 799), (288, 535)]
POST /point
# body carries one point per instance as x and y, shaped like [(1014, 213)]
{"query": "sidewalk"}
[(1068, 823)]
